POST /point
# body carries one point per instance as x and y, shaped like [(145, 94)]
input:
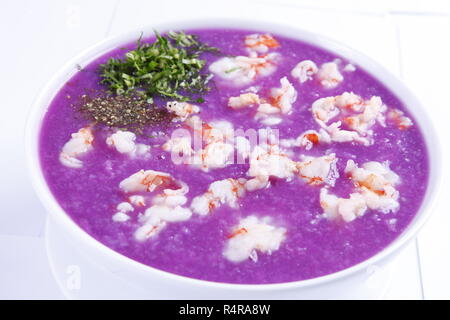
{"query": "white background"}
[(408, 37)]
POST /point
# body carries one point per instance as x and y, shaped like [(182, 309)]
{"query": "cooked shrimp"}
[(279, 102), (137, 200), (304, 71), (124, 207), (267, 161), (324, 109), (214, 155), (243, 147), (226, 191), (349, 67), (182, 110), (283, 97), (156, 219), (339, 135), (260, 43), (167, 207), (79, 144), (147, 180), (376, 182), (373, 110), (373, 175), (243, 100), (253, 234), (347, 209), (120, 217), (121, 214), (349, 101), (357, 114), (310, 138), (179, 146), (243, 70), (318, 170), (329, 75), (124, 142), (399, 119), (218, 137)]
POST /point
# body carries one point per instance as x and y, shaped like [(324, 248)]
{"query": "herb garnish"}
[(169, 67)]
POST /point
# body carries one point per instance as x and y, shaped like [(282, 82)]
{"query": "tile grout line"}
[(418, 13), (113, 16), (401, 73), (420, 267), (411, 13)]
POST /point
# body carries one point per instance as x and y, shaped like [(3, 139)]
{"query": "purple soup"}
[(338, 172)]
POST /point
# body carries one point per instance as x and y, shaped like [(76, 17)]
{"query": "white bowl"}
[(171, 286)]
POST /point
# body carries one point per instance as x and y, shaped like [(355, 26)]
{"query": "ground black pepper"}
[(123, 111)]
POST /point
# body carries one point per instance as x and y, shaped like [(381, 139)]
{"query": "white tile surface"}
[(40, 36), (25, 273), (427, 76)]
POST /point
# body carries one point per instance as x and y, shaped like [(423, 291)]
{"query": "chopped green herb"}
[(232, 70), (169, 67)]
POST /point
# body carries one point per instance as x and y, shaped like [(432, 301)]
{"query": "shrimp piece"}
[(329, 75), (137, 200), (324, 109), (182, 110), (319, 170), (257, 183), (253, 234), (373, 111), (146, 181), (310, 138), (226, 191), (398, 117), (349, 101), (214, 155), (347, 209), (304, 71), (179, 146), (243, 147), (172, 197), (376, 182), (349, 68), (269, 161), (125, 207), (339, 135), (218, 131), (167, 207), (387, 202), (373, 175), (124, 142), (149, 230), (79, 144), (243, 70), (214, 131), (121, 214), (260, 43), (244, 100), (367, 114), (283, 97), (120, 217), (156, 218), (218, 137), (280, 101)]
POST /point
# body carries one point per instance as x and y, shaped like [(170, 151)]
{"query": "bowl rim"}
[(47, 93)]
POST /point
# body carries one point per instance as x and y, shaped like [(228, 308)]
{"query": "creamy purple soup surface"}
[(312, 246)]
